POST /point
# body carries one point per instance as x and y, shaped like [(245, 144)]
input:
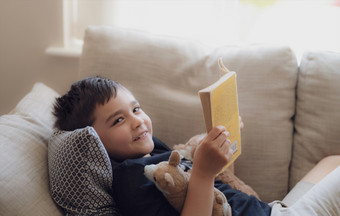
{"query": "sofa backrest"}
[(166, 73), (317, 121)]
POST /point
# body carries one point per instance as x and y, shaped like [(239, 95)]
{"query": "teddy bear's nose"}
[(149, 171)]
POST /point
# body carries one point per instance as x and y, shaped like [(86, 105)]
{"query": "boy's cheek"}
[(149, 124)]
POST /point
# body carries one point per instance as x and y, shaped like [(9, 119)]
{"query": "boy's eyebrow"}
[(113, 115), (132, 103)]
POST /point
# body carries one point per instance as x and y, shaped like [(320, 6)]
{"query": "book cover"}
[(220, 107)]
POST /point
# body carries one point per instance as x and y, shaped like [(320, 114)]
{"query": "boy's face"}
[(123, 127)]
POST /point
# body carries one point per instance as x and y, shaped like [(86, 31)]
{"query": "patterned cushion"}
[(80, 173)]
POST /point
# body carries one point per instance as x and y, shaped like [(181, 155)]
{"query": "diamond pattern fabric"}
[(80, 173)]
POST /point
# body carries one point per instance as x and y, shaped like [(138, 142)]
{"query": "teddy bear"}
[(187, 150), (173, 182)]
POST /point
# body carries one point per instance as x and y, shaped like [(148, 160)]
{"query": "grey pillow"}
[(80, 173)]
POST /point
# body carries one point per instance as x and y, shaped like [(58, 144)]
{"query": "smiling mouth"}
[(142, 136)]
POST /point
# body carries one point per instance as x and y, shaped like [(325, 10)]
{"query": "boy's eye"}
[(136, 109), (117, 120)]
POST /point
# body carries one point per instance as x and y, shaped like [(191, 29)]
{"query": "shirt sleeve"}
[(134, 193), (241, 203)]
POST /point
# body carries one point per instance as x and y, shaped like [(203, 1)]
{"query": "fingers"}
[(222, 138), (225, 147), (241, 123), (216, 131), (215, 148), (218, 136), (230, 154)]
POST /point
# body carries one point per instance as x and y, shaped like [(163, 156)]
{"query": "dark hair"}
[(75, 109)]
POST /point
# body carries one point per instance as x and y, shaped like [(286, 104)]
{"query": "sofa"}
[(290, 108)]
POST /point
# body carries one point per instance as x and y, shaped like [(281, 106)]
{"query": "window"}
[(303, 24)]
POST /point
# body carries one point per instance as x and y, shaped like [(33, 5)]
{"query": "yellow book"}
[(220, 107)]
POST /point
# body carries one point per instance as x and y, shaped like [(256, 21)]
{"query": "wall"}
[(27, 28)]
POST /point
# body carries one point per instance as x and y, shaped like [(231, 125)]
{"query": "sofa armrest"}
[(23, 148)]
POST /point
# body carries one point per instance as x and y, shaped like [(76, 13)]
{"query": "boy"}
[(126, 133)]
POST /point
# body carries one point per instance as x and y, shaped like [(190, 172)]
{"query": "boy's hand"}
[(212, 153), (241, 122)]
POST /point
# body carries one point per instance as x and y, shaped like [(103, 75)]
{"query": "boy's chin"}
[(145, 153), (150, 146), (146, 146)]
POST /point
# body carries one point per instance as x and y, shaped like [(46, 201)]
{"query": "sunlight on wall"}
[(303, 24)]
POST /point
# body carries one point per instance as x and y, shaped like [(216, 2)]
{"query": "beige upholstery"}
[(317, 112), (23, 148), (166, 73)]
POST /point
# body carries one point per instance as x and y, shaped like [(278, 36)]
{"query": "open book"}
[(220, 107)]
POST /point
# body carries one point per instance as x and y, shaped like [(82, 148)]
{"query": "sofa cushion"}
[(317, 120), (38, 104), (80, 173), (23, 148), (165, 74)]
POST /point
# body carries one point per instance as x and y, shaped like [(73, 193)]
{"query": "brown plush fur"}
[(227, 176), (173, 182)]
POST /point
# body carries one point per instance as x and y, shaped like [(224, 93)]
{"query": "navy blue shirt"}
[(136, 195)]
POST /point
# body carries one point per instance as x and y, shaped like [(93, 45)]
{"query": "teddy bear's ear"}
[(169, 180), (174, 158)]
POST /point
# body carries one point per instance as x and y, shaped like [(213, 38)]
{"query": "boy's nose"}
[(137, 121)]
